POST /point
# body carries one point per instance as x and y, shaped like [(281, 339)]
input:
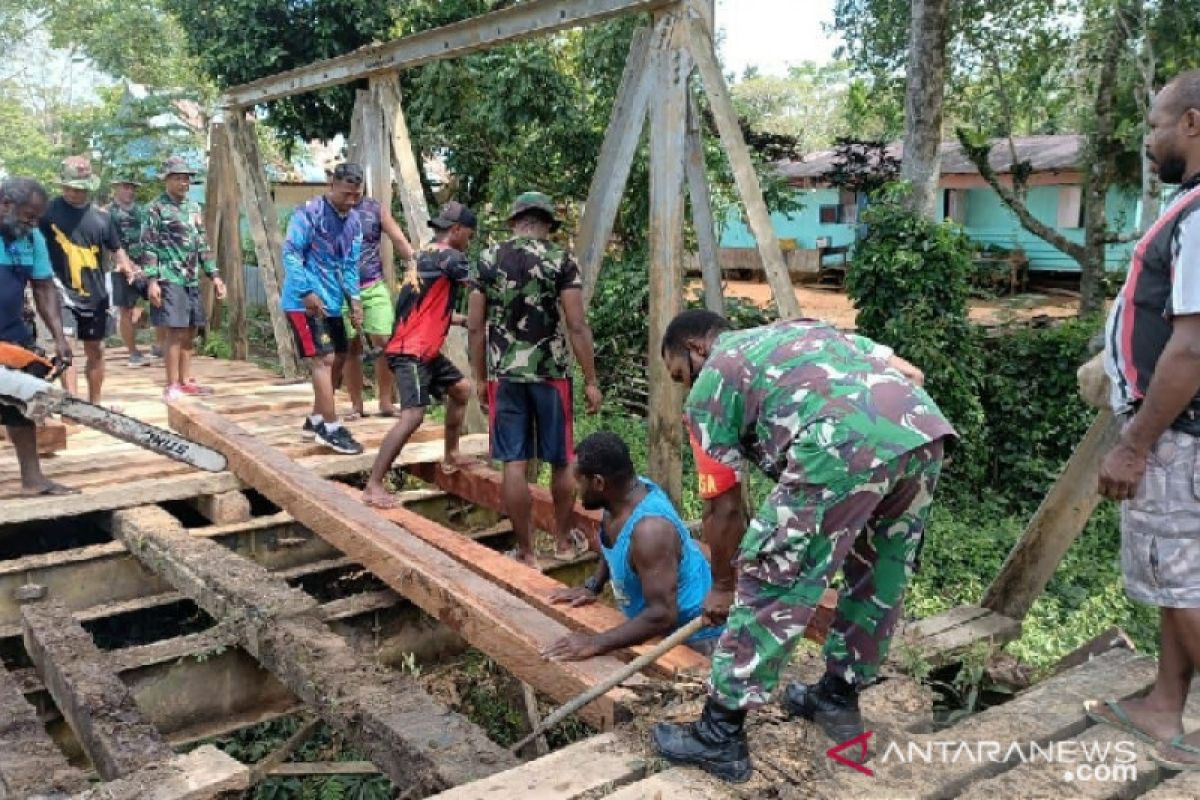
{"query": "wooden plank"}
[(1059, 520), (504, 627), (385, 714), (99, 708), (204, 773), (228, 240), (579, 769), (404, 162), (940, 623), (674, 784), (668, 141), (309, 769), (621, 140), (534, 587), (702, 213), (704, 52), (377, 161), (1184, 786), (29, 761), (520, 21), (264, 229), (224, 508)]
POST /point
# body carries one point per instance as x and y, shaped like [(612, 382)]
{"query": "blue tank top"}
[(695, 576)]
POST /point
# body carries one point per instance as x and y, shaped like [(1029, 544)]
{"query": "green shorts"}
[(379, 317)]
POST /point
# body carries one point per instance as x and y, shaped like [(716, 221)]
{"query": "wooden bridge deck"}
[(113, 475)]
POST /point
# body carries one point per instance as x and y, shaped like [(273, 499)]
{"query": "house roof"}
[(1045, 153)]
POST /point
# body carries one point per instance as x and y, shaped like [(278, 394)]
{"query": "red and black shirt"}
[(426, 301)]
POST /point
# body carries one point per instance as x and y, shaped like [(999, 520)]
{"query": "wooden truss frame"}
[(654, 87)]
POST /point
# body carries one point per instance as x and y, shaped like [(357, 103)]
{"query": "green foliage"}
[(24, 148), (910, 282)]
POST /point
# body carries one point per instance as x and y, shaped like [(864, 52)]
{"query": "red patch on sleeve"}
[(715, 478)]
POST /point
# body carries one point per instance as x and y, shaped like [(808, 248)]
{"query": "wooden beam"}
[(504, 627), (387, 715), (225, 508), (203, 773), (405, 165), (377, 160), (309, 769), (99, 708), (670, 68), (264, 228), (228, 243), (520, 21), (702, 213), (744, 174), (30, 762), (358, 121), (214, 187), (1059, 520), (621, 141)]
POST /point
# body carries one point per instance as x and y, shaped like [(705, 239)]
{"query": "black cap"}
[(454, 213), (348, 172)]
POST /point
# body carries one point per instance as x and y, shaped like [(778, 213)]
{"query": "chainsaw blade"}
[(142, 434)]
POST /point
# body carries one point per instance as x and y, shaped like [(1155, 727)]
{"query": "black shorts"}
[(124, 294), (318, 336), (86, 324), (531, 420), (181, 307), (419, 382), (10, 417)]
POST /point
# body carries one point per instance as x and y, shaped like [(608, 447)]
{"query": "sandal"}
[(513, 555), (51, 489), (1119, 719), (579, 546), (1174, 764)]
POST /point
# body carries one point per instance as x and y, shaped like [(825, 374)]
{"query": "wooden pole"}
[(264, 228), (377, 159), (229, 245), (668, 136), (702, 214), (214, 185), (354, 144), (404, 160), (621, 141), (703, 51)]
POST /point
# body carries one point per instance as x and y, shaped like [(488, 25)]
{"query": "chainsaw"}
[(27, 383)]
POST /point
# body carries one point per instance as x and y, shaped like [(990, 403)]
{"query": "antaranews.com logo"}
[(1105, 762)]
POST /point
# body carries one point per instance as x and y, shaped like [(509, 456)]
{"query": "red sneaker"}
[(193, 388)]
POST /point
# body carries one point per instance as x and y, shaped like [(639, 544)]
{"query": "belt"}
[(1188, 422)]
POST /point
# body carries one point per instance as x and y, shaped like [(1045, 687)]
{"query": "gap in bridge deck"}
[(338, 583), (148, 625), (52, 536)]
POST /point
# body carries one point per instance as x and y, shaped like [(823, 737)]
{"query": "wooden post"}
[(214, 185), (404, 159), (670, 68), (377, 159), (703, 51), (1058, 521), (264, 227), (621, 141), (702, 214), (229, 243), (354, 144)]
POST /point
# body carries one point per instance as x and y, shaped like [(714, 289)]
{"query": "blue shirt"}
[(320, 256), (21, 261), (695, 576)]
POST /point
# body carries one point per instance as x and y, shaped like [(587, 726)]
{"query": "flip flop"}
[(513, 555), (579, 546), (1119, 719), (1174, 764), (51, 489), (352, 416)]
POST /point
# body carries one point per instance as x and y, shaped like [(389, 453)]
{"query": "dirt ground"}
[(833, 306)]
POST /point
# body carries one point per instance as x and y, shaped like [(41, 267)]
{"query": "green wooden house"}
[(829, 219)]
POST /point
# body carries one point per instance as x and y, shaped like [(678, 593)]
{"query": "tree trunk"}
[(923, 103), (1151, 186)]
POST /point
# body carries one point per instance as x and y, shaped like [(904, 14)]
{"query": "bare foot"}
[(528, 559), (575, 546), (453, 461), (1180, 753), (389, 411), (379, 498), (1144, 715), (47, 487)]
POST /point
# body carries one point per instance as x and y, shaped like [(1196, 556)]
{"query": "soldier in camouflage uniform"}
[(128, 290), (519, 357), (174, 252), (855, 447)]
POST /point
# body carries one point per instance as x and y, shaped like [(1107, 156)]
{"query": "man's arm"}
[(391, 229), (724, 527), (45, 298), (477, 337), (295, 244), (654, 555), (580, 334), (1175, 383)]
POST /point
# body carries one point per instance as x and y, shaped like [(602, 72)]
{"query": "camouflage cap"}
[(126, 177), (177, 165), (454, 213), (536, 201), (76, 173)]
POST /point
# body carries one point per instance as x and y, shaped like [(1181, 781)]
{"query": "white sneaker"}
[(172, 393)]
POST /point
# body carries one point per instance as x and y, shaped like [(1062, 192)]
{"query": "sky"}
[(772, 34)]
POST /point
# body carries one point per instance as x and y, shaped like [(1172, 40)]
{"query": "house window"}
[(954, 205), (1070, 207), (849, 203), (831, 214)]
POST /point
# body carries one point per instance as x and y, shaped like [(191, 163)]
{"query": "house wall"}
[(804, 226)]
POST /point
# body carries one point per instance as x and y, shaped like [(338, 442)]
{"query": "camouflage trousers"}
[(795, 546)]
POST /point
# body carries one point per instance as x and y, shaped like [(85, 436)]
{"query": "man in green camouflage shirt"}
[(855, 447), (522, 371), (174, 252), (128, 290)]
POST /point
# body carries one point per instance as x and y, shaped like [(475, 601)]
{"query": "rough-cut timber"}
[(505, 627), (201, 774), (99, 708), (519, 21), (225, 508), (385, 713), (29, 760)]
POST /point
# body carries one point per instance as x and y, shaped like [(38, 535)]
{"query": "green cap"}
[(76, 173), (177, 165), (536, 201)]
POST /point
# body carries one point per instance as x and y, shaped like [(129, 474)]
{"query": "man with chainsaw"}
[(25, 261)]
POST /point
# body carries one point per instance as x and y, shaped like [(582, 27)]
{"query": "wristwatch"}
[(594, 584)]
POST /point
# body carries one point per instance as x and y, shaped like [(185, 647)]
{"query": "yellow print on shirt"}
[(78, 259)]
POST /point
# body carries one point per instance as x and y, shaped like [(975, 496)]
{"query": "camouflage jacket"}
[(129, 227), (174, 246), (800, 397), (522, 280)]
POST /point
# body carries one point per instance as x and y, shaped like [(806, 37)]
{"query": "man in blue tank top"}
[(659, 575)]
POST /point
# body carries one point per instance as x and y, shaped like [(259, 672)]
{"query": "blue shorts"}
[(531, 420)]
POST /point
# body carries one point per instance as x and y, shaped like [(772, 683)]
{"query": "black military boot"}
[(716, 743), (832, 703)]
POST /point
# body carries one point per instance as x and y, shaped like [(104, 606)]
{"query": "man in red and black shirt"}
[(424, 309)]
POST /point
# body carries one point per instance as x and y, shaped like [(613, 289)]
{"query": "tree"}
[(926, 89), (808, 104)]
